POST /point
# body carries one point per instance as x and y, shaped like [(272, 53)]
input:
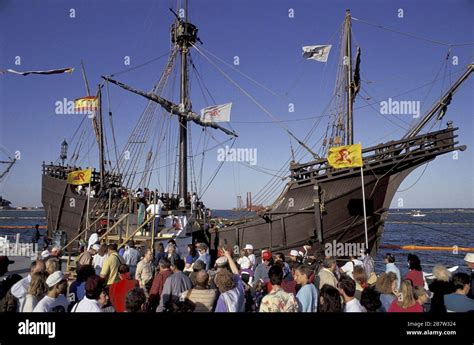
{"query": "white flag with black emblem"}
[(217, 113), (319, 53)]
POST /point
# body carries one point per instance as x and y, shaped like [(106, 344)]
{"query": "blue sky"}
[(268, 44)]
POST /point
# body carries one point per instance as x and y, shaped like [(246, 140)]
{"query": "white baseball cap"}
[(294, 253), (55, 278), (95, 246), (248, 246), (469, 258)]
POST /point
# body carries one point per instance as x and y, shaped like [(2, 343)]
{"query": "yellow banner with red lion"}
[(79, 177), (345, 156)]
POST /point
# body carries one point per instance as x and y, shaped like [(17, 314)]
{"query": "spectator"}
[(154, 209), (145, 271), (90, 303), (386, 285), (131, 257), (261, 272), (277, 300), (347, 288), (172, 254), (469, 259), (118, 291), (135, 302), (348, 268), (307, 296), (361, 280), (111, 265), (421, 296), (329, 300), (104, 301), (405, 302), (326, 274), (201, 296), (295, 256), (368, 263), (77, 290), (458, 301), (370, 299), (191, 258), (280, 257), (159, 253), (36, 291), (251, 256), (20, 289), (174, 286), (306, 252), (52, 265), (198, 266), (415, 273), (231, 287), (86, 257), (36, 236), (4, 262), (54, 301), (389, 261), (440, 286), (99, 258), (204, 255), (159, 282)]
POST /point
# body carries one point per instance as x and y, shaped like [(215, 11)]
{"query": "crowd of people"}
[(129, 280)]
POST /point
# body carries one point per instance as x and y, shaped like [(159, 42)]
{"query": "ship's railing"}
[(83, 231), (383, 152), (61, 172)]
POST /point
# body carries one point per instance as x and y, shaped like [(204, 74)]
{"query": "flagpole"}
[(363, 203)]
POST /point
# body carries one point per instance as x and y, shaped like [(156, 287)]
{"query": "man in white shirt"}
[(347, 288), (131, 257), (348, 268), (155, 210), (251, 256), (90, 303), (55, 300), (20, 289)]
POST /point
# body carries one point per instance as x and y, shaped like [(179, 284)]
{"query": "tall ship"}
[(317, 202)]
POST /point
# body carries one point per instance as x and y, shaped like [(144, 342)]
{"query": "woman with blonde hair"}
[(406, 300), (386, 285), (440, 286), (36, 291)]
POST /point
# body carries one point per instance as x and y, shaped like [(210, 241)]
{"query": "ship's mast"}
[(349, 81), (183, 34)]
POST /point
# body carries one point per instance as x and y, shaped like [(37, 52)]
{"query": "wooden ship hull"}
[(325, 205)]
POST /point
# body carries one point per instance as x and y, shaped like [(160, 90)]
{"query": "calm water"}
[(440, 227)]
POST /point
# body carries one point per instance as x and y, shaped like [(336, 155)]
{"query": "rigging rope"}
[(412, 35)]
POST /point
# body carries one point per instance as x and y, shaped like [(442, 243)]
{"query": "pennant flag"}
[(217, 113), (319, 53), (79, 177), (89, 103), (51, 71), (345, 156)]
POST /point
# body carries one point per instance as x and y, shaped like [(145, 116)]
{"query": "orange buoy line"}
[(413, 247), (21, 226)]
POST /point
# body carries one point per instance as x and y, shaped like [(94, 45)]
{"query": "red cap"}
[(267, 255)]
